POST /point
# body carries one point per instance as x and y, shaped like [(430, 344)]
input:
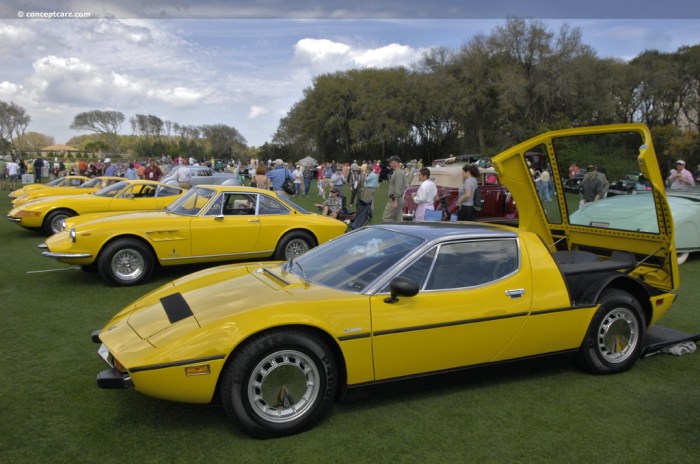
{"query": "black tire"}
[(51, 221), (274, 372), (615, 337), (293, 244), (125, 262)]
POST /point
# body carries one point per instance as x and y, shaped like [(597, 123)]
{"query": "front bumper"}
[(111, 378), (13, 219), (50, 254)]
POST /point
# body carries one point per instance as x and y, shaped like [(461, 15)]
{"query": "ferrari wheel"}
[(279, 384), (293, 245), (125, 262), (616, 334), (54, 221)]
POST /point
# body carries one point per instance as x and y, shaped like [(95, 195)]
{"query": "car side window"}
[(418, 271), (165, 191), (472, 263), (239, 204), (269, 205)]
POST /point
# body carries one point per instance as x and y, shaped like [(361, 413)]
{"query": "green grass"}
[(548, 411)]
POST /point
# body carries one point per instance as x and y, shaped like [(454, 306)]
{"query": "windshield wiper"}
[(290, 265)]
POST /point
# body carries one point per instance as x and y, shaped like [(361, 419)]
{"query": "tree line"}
[(496, 90)]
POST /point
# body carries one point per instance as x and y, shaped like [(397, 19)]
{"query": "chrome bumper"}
[(13, 219), (110, 379), (50, 254)]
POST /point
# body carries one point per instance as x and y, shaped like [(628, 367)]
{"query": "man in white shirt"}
[(425, 196), (12, 173), (184, 177)]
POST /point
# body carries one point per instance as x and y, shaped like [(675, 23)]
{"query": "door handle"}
[(253, 220), (515, 293)]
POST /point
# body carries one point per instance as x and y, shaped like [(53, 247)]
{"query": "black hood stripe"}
[(176, 307)]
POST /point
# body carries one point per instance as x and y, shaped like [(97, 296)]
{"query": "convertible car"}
[(66, 181), (277, 342), (49, 214), (207, 224), (636, 212), (91, 185), (498, 203)]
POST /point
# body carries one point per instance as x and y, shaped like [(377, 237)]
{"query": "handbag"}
[(288, 184)]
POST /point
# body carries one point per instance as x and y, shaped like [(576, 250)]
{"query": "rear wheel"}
[(280, 384), (293, 245), (616, 334), (53, 223), (125, 262)]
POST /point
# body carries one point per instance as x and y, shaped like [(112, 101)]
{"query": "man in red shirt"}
[(152, 171)]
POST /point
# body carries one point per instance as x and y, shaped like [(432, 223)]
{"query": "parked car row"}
[(277, 342)]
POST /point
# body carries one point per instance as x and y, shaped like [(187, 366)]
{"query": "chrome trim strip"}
[(183, 258), (13, 219), (42, 246), (50, 254), (448, 324)]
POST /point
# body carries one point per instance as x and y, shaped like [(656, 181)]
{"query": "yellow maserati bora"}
[(277, 342), (49, 214), (208, 224)]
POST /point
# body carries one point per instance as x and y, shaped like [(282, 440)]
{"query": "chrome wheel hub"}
[(296, 247), (618, 335), (128, 264), (283, 386)]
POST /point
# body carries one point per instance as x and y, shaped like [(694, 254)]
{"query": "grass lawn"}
[(545, 411)]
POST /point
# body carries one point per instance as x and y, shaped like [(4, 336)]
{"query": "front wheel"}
[(279, 384), (616, 334), (53, 223), (125, 262), (293, 245)]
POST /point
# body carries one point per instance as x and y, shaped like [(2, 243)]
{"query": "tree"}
[(33, 141), (106, 123), (13, 123), (225, 142)]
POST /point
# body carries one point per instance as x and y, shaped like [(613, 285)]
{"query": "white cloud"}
[(323, 55), (179, 97), (256, 111)]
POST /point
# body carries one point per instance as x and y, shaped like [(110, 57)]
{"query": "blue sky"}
[(249, 65)]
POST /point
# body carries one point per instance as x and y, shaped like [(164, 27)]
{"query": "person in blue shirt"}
[(109, 169), (277, 176)]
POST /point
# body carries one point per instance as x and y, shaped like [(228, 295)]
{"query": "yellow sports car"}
[(49, 214), (66, 181), (277, 342), (209, 223), (91, 185)]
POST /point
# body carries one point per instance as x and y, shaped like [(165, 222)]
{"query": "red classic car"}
[(498, 203)]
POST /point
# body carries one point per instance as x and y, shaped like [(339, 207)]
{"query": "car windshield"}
[(192, 202), (353, 261), (92, 183), (112, 190), (56, 182)]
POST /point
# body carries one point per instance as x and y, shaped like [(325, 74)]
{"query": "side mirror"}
[(401, 286)]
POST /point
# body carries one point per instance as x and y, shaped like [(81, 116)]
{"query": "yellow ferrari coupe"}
[(208, 224), (49, 214), (66, 181), (70, 185), (277, 342)]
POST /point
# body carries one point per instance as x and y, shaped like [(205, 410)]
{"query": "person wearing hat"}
[(680, 178), (393, 212), (109, 167), (333, 205), (356, 182), (277, 176), (591, 188)]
